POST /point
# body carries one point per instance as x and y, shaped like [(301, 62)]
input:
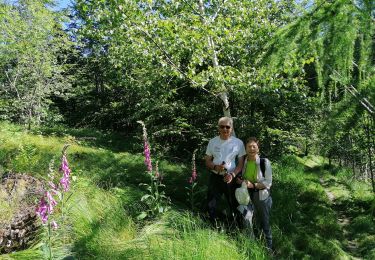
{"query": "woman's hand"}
[(249, 184)]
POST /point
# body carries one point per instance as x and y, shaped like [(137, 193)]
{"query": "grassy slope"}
[(99, 218)]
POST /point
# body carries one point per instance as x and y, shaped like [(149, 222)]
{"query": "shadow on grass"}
[(116, 142), (303, 216), (108, 170), (89, 247)]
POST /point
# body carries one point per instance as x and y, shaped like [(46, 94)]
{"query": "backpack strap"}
[(263, 170), (263, 166)]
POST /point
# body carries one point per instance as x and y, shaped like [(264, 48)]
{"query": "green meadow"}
[(319, 212)]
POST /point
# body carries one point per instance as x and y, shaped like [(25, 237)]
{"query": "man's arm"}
[(239, 166), (229, 177), (211, 166), (209, 163)]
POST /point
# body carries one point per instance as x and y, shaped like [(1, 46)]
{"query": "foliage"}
[(156, 200), (192, 184), (48, 204), (151, 61), (297, 74), (33, 57), (331, 43)]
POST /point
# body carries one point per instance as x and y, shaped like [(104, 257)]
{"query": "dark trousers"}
[(262, 212), (216, 188)]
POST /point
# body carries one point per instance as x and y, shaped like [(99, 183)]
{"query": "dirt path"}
[(351, 245)]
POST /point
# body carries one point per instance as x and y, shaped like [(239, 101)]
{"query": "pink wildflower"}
[(47, 202), (194, 169), (42, 211), (51, 202), (147, 156), (64, 168), (194, 175), (146, 147), (157, 174), (53, 187)]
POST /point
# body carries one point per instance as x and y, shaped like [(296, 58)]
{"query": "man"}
[(221, 155)]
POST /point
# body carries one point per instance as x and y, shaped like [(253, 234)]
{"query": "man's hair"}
[(253, 139), (227, 120)]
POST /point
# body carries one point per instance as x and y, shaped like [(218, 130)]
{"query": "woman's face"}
[(252, 148)]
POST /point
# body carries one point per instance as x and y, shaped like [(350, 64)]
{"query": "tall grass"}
[(99, 219)]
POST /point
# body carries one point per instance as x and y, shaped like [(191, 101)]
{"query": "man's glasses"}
[(224, 126)]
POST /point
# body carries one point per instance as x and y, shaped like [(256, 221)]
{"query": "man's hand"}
[(219, 168), (228, 177)]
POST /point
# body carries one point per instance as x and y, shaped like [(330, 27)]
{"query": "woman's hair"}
[(253, 139)]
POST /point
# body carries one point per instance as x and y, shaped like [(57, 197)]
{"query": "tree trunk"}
[(307, 146), (370, 144), (215, 63), (30, 116), (353, 167), (350, 157)]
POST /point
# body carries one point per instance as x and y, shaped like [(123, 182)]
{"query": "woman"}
[(257, 174)]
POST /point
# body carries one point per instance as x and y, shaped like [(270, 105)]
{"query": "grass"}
[(99, 220)]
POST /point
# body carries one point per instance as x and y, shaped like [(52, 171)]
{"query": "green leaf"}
[(142, 215), (145, 197)]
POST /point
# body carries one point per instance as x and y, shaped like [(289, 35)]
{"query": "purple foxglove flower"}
[(147, 156), (42, 211), (51, 202), (65, 166), (53, 187), (146, 147), (65, 183), (157, 174), (194, 175), (194, 169)]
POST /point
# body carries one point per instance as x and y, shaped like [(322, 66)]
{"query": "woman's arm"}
[(266, 182)]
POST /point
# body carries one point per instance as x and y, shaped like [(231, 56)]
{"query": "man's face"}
[(225, 130)]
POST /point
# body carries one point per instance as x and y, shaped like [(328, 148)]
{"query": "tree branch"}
[(168, 58), (354, 92)]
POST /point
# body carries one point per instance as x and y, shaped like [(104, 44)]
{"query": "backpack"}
[(263, 166), (263, 169)]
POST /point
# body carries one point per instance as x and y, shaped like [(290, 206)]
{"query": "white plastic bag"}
[(242, 195)]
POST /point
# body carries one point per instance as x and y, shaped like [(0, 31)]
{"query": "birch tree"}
[(211, 45)]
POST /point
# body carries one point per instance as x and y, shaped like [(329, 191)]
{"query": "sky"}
[(60, 4)]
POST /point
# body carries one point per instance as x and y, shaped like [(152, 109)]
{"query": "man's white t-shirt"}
[(225, 151)]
